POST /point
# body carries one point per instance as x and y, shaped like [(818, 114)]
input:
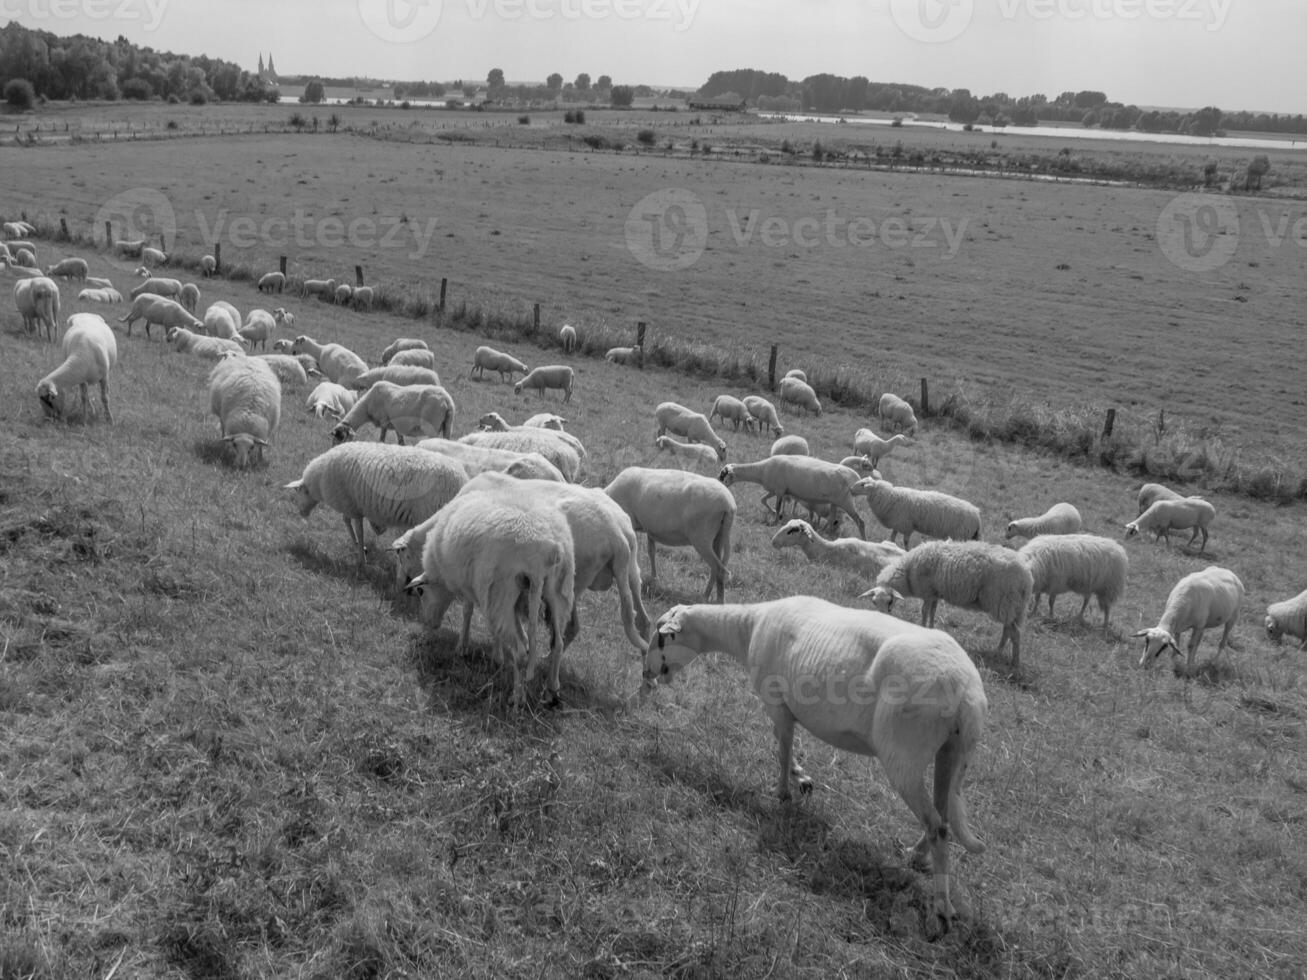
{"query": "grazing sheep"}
[(37, 300), (222, 319), (397, 374), (560, 448), (765, 413), (800, 395), (258, 328), (567, 337), (69, 269), (804, 477), (973, 575), (482, 459), (403, 343), (1150, 493), (545, 420), (867, 443), (272, 282), (676, 509), (1288, 618), (797, 374), (867, 558), (390, 486), (860, 681), (329, 398), (90, 352), (184, 341), (17, 229), (286, 367), (131, 249), (169, 288), (97, 282), (166, 313), (344, 293), (790, 446), (1081, 563), (895, 411), (1199, 601), (558, 376), (1165, 516), (362, 299), (904, 510), (413, 358), (1058, 519), (488, 357), (694, 454), (189, 297), (22, 272), (322, 288), (25, 257), (417, 411), (860, 464), (246, 396), (681, 421), (100, 295), (338, 363), (626, 356), (151, 257), (731, 409), (208, 266)]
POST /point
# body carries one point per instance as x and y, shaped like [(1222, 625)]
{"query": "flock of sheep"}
[(499, 519)]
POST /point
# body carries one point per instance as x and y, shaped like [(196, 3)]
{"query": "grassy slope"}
[(227, 754)]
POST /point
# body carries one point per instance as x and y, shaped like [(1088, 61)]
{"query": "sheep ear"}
[(1140, 633), (293, 485)]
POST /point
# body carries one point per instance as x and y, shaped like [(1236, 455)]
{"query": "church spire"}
[(260, 64)]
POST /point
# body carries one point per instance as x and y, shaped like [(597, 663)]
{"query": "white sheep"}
[(1199, 601), (867, 443), (626, 356), (694, 454), (417, 411), (1165, 516), (567, 337), (286, 367), (790, 446), (272, 282), (1081, 563), (185, 341), (246, 396), (731, 409), (681, 421), (17, 229), (799, 394), (905, 510), (222, 319), (22, 272), (413, 358), (494, 360), (208, 266), (100, 295), (1288, 618), (97, 282), (867, 558), (972, 575), (362, 298), (863, 682), (389, 486), (153, 256), (803, 477), (1149, 493), (338, 363), (560, 448), (73, 268), (258, 328), (397, 374), (131, 249), (170, 288), (344, 293), (1061, 518), (545, 420), (542, 379), (329, 398), (37, 300), (403, 343), (322, 288), (860, 464), (90, 353), (764, 412), (896, 411), (482, 459), (25, 257), (166, 313), (189, 296), (797, 374), (676, 509)]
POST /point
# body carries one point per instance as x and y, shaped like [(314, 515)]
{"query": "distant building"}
[(718, 104), (267, 75)]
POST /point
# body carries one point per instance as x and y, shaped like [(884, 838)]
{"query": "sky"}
[(1235, 54)]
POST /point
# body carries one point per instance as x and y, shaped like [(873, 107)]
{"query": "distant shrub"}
[(297, 121), (173, 100), (19, 93), (171, 124), (818, 153), (406, 104), (137, 89), (646, 136), (897, 123), (198, 97), (524, 120)]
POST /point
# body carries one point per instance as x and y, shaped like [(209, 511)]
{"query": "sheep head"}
[(882, 597), (1156, 642), (727, 475), (247, 449), (303, 499), (673, 644), (342, 433), (52, 400), (1273, 631), (1132, 529)]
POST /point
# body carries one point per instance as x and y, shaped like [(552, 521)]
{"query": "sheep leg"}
[(104, 400), (1225, 637), (355, 527), (653, 565), (847, 506), (466, 630), (782, 720), (1195, 638), (1012, 632), (1194, 537), (1083, 606), (905, 760), (86, 407)]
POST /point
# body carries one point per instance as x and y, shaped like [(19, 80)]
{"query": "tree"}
[(19, 93), (314, 92), (496, 78), (964, 108), (623, 95), (605, 81), (583, 82), (137, 88), (333, 121), (1206, 121), (1257, 169), (554, 82)]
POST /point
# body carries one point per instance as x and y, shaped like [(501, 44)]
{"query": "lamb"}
[(488, 357), (729, 408), (153, 256), (694, 454), (270, 281), (344, 293), (626, 356), (22, 272), (1059, 519), (790, 446), (904, 510), (675, 509), (100, 295), (1164, 516), (413, 358), (329, 398), (318, 287), (403, 343), (90, 353), (189, 297), (1149, 493), (799, 394), (1288, 618), (258, 328), (867, 443), (1082, 563), (25, 257), (246, 396), (558, 376), (390, 486), (567, 337), (867, 558), (222, 319), (967, 574), (69, 269), (545, 420), (895, 411), (1199, 601), (803, 477), (765, 414), (338, 363), (169, 288), (184, 341), (37, 300), (681, 421), (398, 374), (417, 411), (482, 459), (860, 681), (563, 450), (208, 266), (362, 298)]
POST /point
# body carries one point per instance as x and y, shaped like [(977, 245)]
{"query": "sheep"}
[(413, 358), (1288, 618), (860, 681), (131, 249), (69, 269), (1082, 563), (318, 287), (765, 413), (37, 300), (398, 374), (411, 410), (184, 341), (675, 509), (729, 408), (90, 353), (864, 557), (563, 450), (12, 247), (1164, 516), (403, 343), (22, 272), (860, 464), (797, 374), (246, 396), (362, 298), (558, 376), (222, 319), (287, 368), (790, 446), (189, 297), (681, 421), (488, 357), (545, 420), (25, 257), (481, 459), (896, 411), (259, 326), (800, 476), (272, 281), (344, 293), (1151, 492), (867, 443), (390, 486), (141, 272), (968, 574), (170, 288), (626, 356), (151, 257), (329, 398), (1198, 602), (799, 394), (338, 363), (17, 229), (1059, 519), (208, 266), (100, 295), (567, 337), (693, 453), (154, 309), (904, 510), (97, 282)]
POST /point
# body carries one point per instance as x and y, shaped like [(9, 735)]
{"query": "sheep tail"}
[(950, 770)]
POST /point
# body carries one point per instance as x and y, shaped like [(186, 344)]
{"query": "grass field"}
[(227, 753)]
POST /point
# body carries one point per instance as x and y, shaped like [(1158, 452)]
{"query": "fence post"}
[(925, 398), (108, 233), (282, 265), (639, 334), (444, 283), (771, 369), (358, 275), (217, 257), (1108, 422), (537, 318), (63, 230), (163, 244)]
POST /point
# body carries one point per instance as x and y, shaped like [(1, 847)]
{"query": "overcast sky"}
[(1236, 54)]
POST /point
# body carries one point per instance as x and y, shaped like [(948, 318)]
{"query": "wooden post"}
[(1108, 422), (163, 244), (23, 215), (925, 398), (771, 369), (639, 333), (444, 284), (283, 265), (1161, 421), (537, 318), (358, 275), (108, 233), (63, 230), (217, 257)]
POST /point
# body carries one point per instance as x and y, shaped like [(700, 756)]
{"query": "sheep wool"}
[(415, 411), (403, 343), (560, 448), (681, 421), (904, 510), (1288, 618), (800, 394), (338, 363), (397, 374), (896, 411), (487, 358), (413, 358), (245, 395), (1085, 564), (764, 412), (731, 409), (90, 353), (1059, 519), (558, 376), (329, 398), (1199, 601)]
